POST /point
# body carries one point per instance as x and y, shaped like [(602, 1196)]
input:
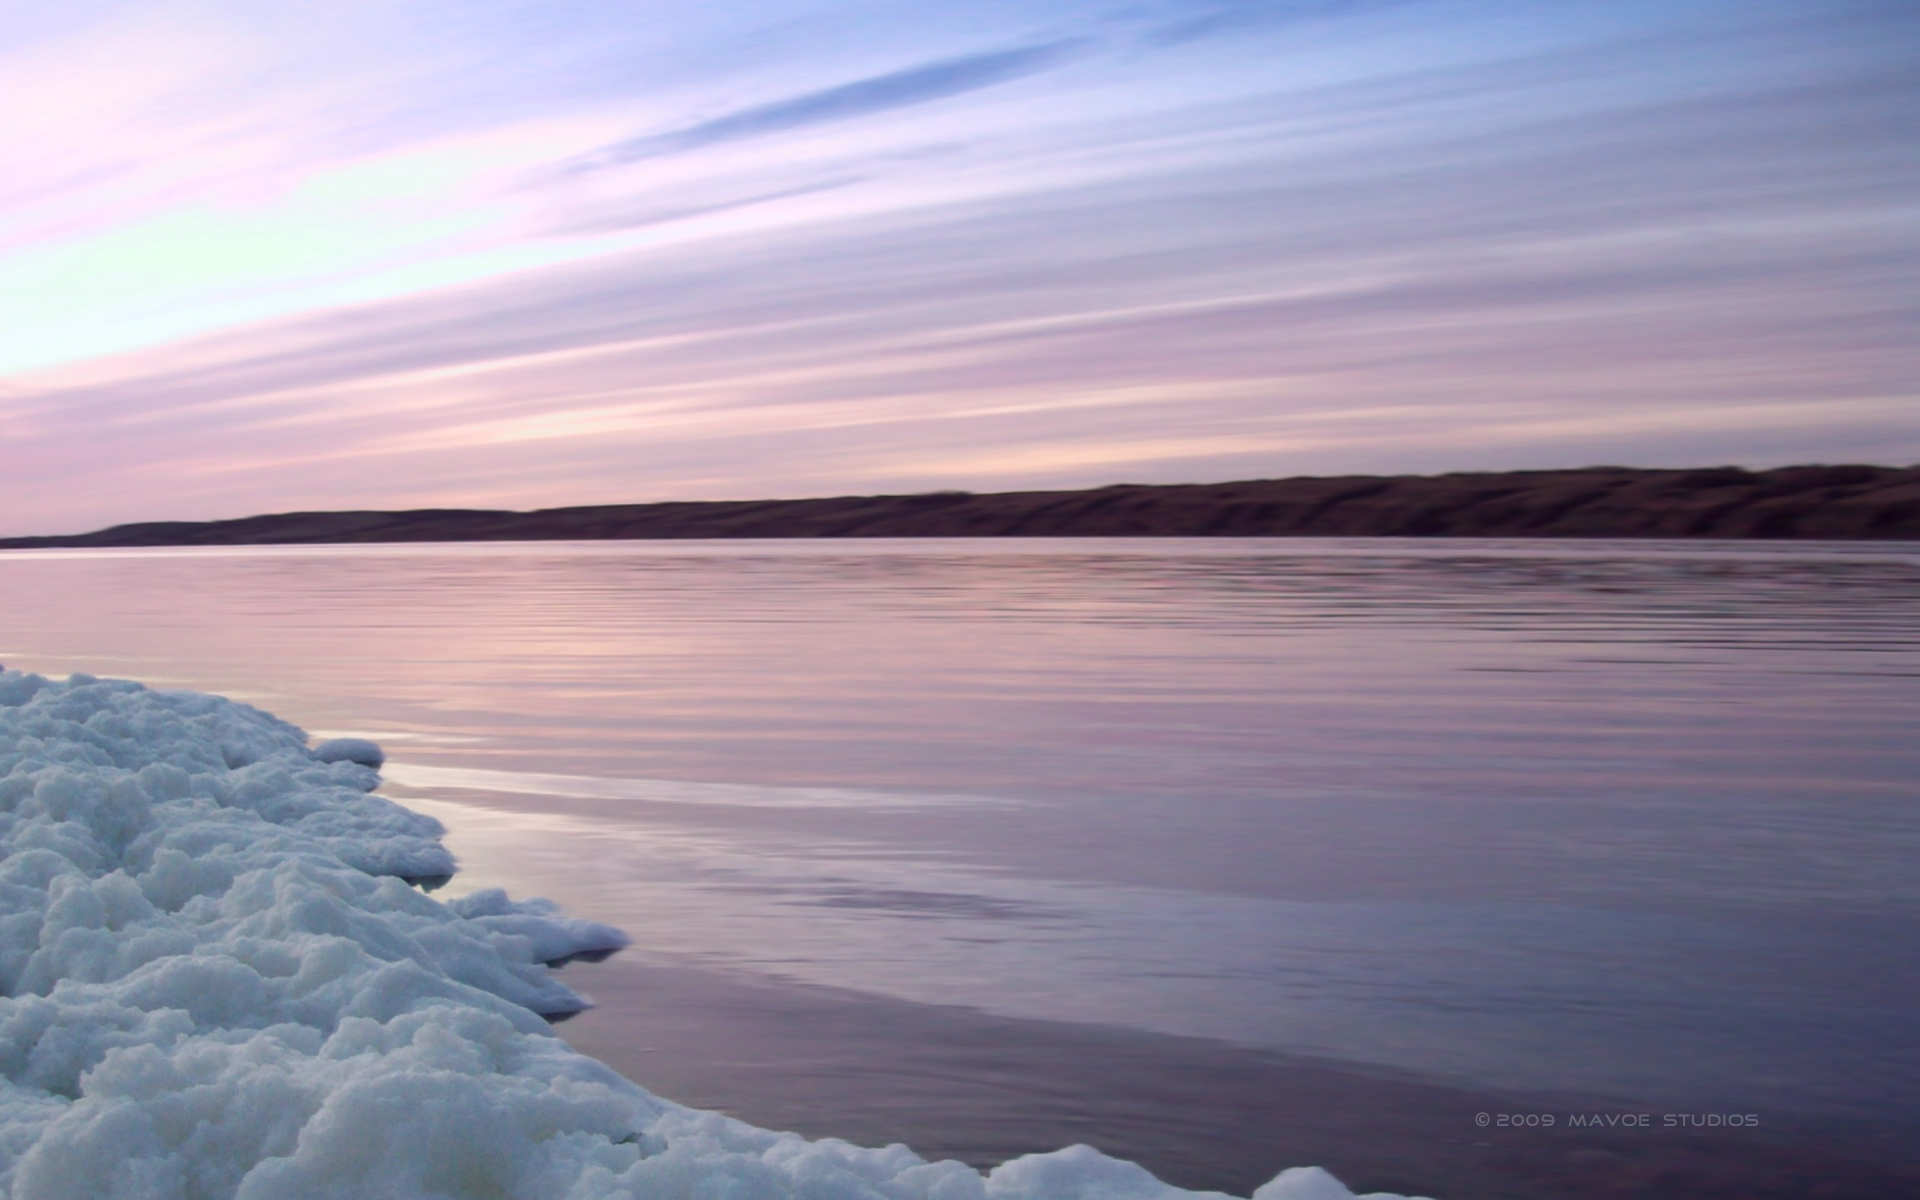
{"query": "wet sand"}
[(957, 1083)]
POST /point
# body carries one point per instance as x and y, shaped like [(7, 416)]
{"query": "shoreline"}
[(213, 972), (1821, 503), (1198, 1113)]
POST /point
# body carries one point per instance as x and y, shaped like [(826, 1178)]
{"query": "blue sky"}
[(390, 253)]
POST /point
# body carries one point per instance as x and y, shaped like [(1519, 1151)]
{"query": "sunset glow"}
[(397, 253)]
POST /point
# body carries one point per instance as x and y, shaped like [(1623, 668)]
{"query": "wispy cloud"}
[(865, 97), (1205, 18), (1620, 236), (664, 209)]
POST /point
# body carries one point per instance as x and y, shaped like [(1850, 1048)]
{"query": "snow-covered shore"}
[(216, 981)]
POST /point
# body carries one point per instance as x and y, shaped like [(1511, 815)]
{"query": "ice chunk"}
[(215, 982), (1312, 1183), (353, 750)]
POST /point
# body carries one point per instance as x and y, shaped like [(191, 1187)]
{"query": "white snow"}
[(216, 982)]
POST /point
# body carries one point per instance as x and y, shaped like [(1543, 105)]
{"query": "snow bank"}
[(216, 981)]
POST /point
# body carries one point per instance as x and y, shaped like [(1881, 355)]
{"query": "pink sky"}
[(392, 254)]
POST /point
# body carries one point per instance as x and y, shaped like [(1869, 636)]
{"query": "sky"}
[(260, 256)]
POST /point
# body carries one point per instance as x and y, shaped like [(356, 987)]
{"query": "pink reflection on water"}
[(1460, 807)]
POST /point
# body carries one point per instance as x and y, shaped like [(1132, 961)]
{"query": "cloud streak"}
[(1213, 17), (923, 84), (1232, 257)]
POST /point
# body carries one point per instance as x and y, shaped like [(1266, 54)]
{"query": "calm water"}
[(1629, 822)]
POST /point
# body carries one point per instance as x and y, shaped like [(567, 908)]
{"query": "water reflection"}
[(661, 791), (1625, 818)]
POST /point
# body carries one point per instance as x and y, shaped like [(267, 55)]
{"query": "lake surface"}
[(984, 842)]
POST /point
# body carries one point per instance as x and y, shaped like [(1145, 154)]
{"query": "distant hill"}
[(1830, 502)]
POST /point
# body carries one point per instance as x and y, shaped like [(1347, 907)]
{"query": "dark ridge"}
[(1810, 502)]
